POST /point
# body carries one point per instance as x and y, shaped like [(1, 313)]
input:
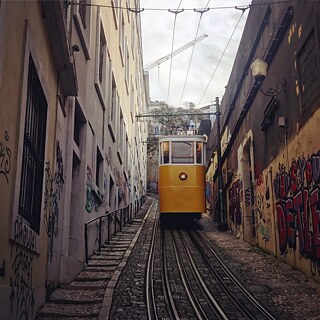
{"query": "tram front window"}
[(166, 152), (182, 152)]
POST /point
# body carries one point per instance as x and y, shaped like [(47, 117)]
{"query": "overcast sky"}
[(157, 34)]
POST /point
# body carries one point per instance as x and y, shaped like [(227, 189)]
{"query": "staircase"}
[(82, 298)]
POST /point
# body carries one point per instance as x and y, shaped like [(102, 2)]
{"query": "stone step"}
[(104, 263), (100, 269), (79, 285), (94, 276), (108, 252), (63, 311), (107, 257)]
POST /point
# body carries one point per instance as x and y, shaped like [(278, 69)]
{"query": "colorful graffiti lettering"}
[(234, 202), (5, 157), (298, 206)]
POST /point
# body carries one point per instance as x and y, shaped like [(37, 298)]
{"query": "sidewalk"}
[(288, 293)]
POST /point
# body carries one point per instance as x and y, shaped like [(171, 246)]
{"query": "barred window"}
[(33, 150)]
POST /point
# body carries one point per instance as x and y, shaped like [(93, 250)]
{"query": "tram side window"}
[(182, 152), (166, 152), (199, 152)]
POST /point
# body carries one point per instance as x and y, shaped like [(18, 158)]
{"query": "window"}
[(308, 67), (113, 110), (102, 45), (182, 152), (99, 169), (111, 193), (121, 138), (127, 64), (116, 11), (79, 121), (33, 150), (102, 79), (133, 38), (82, 19), (122, 39)]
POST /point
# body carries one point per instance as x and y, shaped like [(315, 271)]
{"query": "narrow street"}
[(114, 282)]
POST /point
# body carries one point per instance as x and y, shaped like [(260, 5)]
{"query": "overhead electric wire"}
[(185, 81), (185, 9), (224, 51), (172, 42)]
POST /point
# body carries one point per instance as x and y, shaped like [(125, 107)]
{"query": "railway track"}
[(186, 279)]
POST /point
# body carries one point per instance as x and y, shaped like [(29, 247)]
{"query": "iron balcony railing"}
[(108, 225)]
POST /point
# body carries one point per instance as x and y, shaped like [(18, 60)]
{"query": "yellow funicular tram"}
[(182, 175)]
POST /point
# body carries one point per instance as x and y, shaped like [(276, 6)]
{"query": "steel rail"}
[(166, 284), (232, 277), (194, 302), (150, 298), (215, 306)]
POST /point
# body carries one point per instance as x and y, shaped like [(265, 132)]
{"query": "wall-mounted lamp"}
[(259, 71)]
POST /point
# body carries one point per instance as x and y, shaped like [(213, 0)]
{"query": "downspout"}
[(274, 212)]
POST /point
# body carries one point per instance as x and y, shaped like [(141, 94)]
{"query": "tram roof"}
[(202, 138)]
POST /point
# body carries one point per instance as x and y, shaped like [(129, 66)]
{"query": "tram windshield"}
[(182, 152)]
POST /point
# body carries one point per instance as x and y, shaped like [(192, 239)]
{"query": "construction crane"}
[(174, 53)]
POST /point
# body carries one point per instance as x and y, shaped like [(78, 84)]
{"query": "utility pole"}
[(223, 225)]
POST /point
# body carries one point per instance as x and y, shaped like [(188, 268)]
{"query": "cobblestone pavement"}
[(288, 293)]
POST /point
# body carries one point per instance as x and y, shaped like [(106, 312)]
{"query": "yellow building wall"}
[(23, 252), (288, 193)]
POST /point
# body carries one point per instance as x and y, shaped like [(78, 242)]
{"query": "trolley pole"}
[(223, 225)]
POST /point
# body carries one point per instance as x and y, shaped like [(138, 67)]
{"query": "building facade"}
[(71, 85), (270, 150)]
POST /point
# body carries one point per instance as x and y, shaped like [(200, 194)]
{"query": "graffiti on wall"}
[(52, 196), (298, 206), (94, 198), (22, 299), (263, 207), (5, 157), (235, 202), (152, 186), (90, 203), (24, 235)]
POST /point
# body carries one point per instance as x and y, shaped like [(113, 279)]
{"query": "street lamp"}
[(259, 71)]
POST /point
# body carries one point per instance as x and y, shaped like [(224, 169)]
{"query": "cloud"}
[(157, 31)]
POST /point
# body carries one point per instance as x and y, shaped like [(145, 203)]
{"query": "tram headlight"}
[(183, 176)]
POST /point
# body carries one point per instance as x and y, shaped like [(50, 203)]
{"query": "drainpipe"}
[(275, 213)]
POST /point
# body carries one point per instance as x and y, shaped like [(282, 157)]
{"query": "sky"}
[(207, 77)]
